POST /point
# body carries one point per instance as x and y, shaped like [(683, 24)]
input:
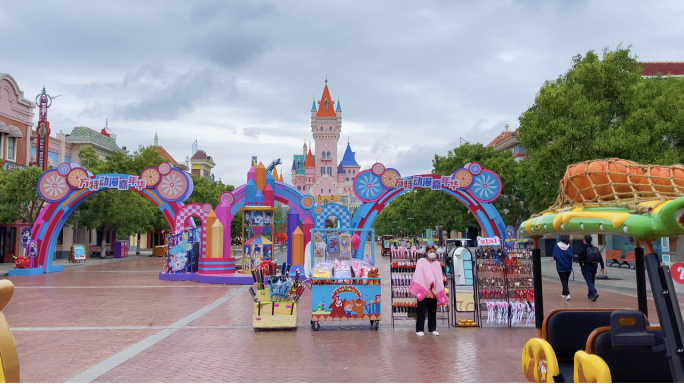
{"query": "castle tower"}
[(326, 125), (309, 172)]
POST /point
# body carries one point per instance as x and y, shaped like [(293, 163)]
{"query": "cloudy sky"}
[(239, 77)]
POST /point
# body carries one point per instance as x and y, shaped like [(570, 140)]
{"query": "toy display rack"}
[(404, 304), (344, 298), (504, 286)]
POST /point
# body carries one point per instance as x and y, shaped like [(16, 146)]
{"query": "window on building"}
[(331, 128), (12, 148), (299, 187), (326, 106), (322, 171), (347, 179), (329, 191), (321, 190), (328, 154), (330, 171), (299, 165)]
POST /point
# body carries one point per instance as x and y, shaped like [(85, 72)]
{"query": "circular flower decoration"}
[(378, 169), (226, 197), (75, 176), (52, 186), (151, 176), (464, 178), (207, 207), (475, 168), (308, 201), (173, 186), (64, 169), (486, 187), (389, 177), (318, 210), (368, 187), (164, 168)]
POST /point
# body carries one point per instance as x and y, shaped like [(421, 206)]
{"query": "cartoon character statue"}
[(357, 306), (337, 308), (347, 307)]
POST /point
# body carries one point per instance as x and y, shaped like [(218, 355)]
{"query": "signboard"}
[(419, 182), (677, 272), (485, 241), (327, 199), (8, 166), (79, 251), (42, 147), (105, 182), (25, 236), (510, 237)]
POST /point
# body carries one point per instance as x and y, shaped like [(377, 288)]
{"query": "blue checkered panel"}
[(334, 210)]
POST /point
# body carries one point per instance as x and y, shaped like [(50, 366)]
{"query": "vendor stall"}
[(346, 283)]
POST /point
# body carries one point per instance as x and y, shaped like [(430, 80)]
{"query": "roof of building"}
[(338, 109), (673, 68), (499, 139), (313, 107), (96, 137), (349, 158), (326, 106), (163, 153), (309, 160), (294, 163), (340, 169), (200, 155)]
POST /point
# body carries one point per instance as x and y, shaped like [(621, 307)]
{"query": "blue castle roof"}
[(349, 158), (338, 109), (299, 160), (313, 107)]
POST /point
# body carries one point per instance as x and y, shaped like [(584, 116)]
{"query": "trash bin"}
[(120, 249)]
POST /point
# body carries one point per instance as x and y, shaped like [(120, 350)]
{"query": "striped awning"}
[(14, 131), (4, 128)]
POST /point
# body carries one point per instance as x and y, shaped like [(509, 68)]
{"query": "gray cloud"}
[(413, 78)]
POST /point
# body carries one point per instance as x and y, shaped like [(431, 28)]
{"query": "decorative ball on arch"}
[(378, 169), (475, 168), (318, 210), (226, 197), (308, 201), (206, 207), (368, 187), (64, 169), (151, 176), (75, 176), (486, 186), (173, 186), (191, 185), (52, 186), (464, 178), (389, 177), (165, 168)]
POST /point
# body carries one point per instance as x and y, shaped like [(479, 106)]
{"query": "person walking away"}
[(589, 259), (428, 287), (562, 252)]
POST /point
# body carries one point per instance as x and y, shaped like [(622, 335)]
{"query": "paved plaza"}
[(114, 321)]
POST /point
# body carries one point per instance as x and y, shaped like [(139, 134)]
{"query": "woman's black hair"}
[(565, 239), (588, 239)]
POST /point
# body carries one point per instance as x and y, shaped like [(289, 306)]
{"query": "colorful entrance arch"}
[(67, 186), (472, 185)]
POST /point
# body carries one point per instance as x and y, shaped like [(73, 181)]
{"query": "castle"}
[(319, 173)]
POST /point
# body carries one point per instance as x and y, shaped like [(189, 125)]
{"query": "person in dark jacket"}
[(589, 269), (562, 252)]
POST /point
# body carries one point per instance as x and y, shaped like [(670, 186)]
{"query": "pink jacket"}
[(428, 277)]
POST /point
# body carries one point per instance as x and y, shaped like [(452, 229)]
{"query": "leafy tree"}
[(600, 108), (19, 198)]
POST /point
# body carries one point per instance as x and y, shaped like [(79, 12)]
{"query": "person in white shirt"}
[(457, 259)]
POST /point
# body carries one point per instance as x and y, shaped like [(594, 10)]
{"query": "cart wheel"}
[(315, 326), (372, 323), (377, 324), (312, 322)]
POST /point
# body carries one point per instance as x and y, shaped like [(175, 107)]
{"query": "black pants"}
[(429, 305), (564, 277)]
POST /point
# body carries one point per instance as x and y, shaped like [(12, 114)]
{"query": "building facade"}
[(320, 172), (16, 122)]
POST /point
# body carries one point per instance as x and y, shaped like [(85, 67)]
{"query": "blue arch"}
[(336, 210)]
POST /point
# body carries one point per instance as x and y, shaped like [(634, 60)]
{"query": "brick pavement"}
[(107, 308)]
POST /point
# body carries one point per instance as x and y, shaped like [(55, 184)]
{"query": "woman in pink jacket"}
[(428, 287)]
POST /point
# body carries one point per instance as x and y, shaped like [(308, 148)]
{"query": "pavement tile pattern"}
[(69, 322)]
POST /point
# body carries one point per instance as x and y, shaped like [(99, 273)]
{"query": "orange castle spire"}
[(326, 108), (309, 163)]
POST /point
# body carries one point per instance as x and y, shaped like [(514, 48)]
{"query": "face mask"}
[(432, 255)]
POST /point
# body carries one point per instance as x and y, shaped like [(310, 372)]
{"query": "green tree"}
[(600, 108), (19, 198)]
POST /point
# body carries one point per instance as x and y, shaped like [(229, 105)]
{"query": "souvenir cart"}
[(345, 282), (619, 345), (181, 253), (275, 305), (402, 266), (258, 234)]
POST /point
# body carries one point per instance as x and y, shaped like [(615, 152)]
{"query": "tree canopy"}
[(600, 108), (19, 198)]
